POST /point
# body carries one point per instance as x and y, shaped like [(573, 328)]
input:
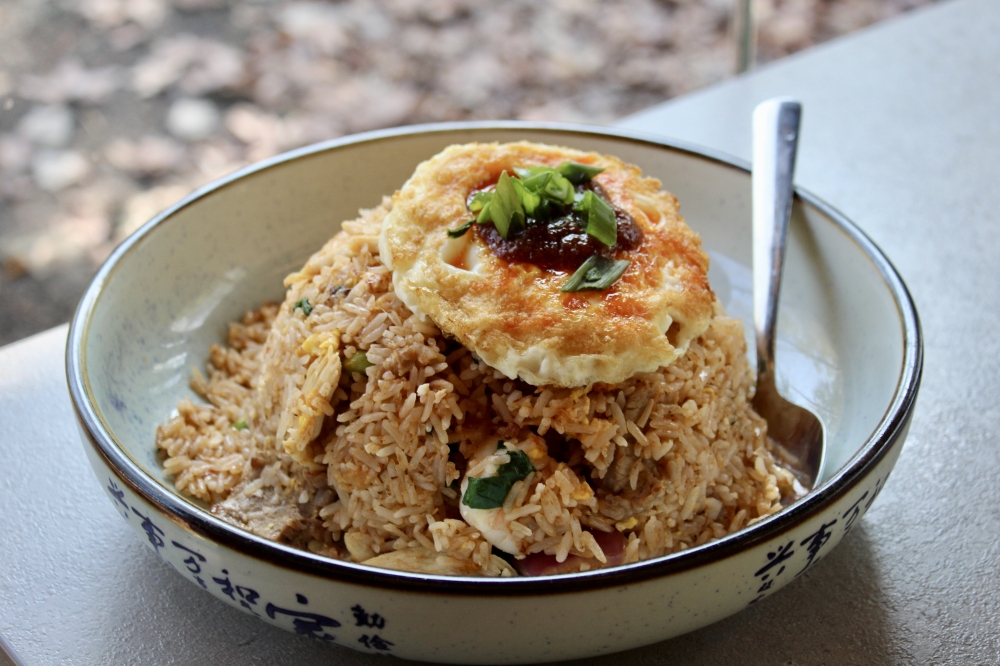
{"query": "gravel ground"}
[(110, 110)]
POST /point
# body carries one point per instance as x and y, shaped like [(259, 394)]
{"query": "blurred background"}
[(111, 110)]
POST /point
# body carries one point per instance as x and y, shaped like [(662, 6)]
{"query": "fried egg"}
[(513, 314)]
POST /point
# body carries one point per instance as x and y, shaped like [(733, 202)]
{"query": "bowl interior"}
[(170, 293)]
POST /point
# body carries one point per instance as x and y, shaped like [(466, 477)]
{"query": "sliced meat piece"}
[(265, 515)]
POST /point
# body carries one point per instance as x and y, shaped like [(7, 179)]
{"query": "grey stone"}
[(192, 119), (15, 153), (51, 126), (54, 170), (70, 81)]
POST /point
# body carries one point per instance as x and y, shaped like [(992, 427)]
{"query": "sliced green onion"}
[(358, 363), (535, 182), (240, 425), (538, 192), (577, 173), (548, 183), (479, 200), (505, 208), (601, 222), (528, 172), (304, 305), (559, 190), (485, 213), (460, 230), (529, 200), (597, 273), (490, 492)]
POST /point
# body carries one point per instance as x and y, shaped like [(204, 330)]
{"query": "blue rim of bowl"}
[(891, 427)]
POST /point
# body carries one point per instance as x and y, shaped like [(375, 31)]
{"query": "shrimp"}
[(494, 524)]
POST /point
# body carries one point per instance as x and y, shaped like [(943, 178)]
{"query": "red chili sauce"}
[(560, 243)]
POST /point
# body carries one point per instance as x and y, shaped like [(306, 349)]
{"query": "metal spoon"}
[(775, 138)]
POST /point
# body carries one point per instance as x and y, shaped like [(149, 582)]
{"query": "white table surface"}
[(902, 132)]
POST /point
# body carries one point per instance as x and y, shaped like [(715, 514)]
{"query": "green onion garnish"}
[(539, 192), (597, 273), (577, 173), (358, 363), (529, 199), (240, 425), (460, 230), (305, 305), (559, 190), (505, 208), (548, 183), (490, 492), (535, 182), (601, 222), (479, 200)]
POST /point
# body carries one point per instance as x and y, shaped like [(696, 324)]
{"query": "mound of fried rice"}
[(365, 466)]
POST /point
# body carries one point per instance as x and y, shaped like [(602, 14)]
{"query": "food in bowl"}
[(514, 366)]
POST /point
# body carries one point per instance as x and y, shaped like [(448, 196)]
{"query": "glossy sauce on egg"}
[(560, 243)]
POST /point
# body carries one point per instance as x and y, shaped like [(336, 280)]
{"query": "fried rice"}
[(342, 423)]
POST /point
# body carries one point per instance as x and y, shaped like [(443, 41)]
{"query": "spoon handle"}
[(775, 138)]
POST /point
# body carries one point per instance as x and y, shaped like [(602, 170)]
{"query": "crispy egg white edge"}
[(537, 364)]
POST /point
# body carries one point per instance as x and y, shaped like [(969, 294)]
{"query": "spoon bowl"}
[(798, 432)]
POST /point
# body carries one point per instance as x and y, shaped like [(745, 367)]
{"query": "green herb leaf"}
[(358, 363), (577, 173), (305, 305), (518, 468), (596, 273), (460, 230), (601, 222), (240, 425), (490, 492), (505, 208)]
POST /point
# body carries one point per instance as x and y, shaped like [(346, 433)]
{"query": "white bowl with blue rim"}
[(849, 348)]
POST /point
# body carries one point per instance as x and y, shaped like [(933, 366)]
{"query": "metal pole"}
[(746, 36)]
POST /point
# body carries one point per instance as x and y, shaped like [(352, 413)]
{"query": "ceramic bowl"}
[(849, 348)]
